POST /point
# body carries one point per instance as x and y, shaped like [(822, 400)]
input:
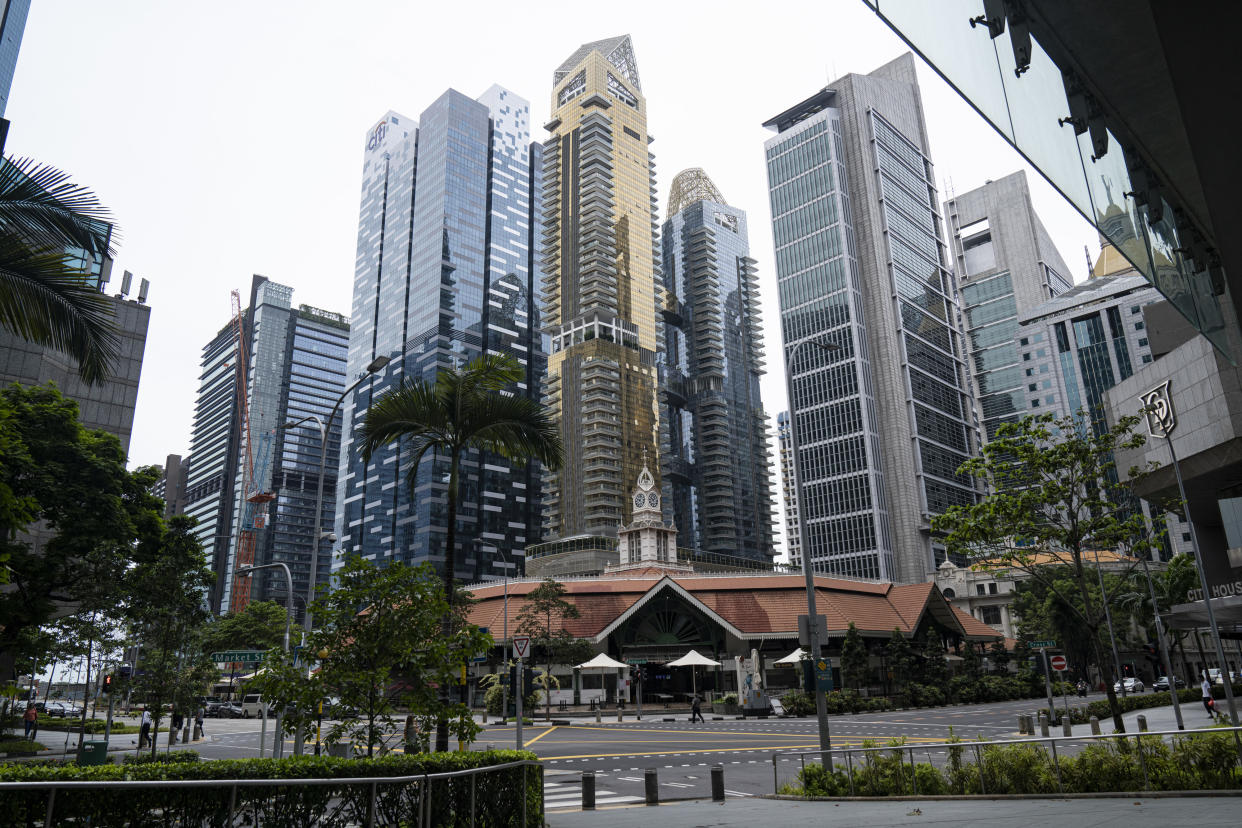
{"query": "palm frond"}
[(40, 205), (45, 301), (514, 427), (414, 408)]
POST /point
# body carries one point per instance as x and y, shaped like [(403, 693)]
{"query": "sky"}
[(226, 138)]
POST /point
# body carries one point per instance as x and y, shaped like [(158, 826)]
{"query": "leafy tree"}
[(933, 670), (972, 666), (381, 642), (44, 299), (465, 409), (854, 658), (900, 657), (70, 514), (165, 607), (1171, 585), (543, 618), (1000, 658), (260, 626), (1056, 496)]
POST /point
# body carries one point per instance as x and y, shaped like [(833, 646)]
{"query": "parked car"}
[(62, 710), (226, 710), (1162, 683), (1133, 685), (252, 705)]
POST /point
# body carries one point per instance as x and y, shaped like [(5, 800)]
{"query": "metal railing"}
[(860, 760), (417, 806)]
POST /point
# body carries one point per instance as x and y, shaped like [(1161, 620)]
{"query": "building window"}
[(1024, 341), (1185, 537), (992, 588), (1143, 341), (1134, 309), (979, 589), (1146, 358), (948, 593), (1031, 387), (1034, 403), (1026, 357), (991, 615), (1138, 326)]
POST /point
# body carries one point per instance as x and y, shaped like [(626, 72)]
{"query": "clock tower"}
[(647, 541)]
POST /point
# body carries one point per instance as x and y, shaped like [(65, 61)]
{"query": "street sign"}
[(1040, 645), (521, 646), (479, 658), (1058, 663), (817, 673), (238, 656), (804, 629)]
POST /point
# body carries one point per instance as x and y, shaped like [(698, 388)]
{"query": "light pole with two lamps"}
[(813, 642), (278, 746)]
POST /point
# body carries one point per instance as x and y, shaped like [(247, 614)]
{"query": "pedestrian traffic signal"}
[(107, 683), (1152, 654)]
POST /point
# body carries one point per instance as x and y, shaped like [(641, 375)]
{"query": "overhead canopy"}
[(602, 660), (793, 658), (693, 659)]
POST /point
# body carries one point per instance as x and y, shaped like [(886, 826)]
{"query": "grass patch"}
[(20, 746)]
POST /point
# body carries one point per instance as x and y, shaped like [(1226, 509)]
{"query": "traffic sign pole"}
[(1059, 664), (1052, 708), (517, 695)]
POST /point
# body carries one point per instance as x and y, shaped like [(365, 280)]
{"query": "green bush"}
[(728, 698), (798, 703), (497, 796), (174, 757), (492, 699)]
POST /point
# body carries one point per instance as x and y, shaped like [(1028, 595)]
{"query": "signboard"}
[(1058, 663), (479, 658), (818, 674), (521, 646), (1043, 645), (1158, 406), (238, 656), (804, 629)]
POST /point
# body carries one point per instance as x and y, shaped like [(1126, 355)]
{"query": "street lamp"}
[(249, 570), (813, 642)]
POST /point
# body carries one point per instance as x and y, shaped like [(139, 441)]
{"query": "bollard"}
[(588, 790), (619, 708), (598, 707), (1043, 724), (717, 783), (1021, 724), (652, 786), (1142, 723), (485, 714), (1067, 728), (1095, 726)]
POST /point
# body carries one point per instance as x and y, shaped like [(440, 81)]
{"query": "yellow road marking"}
[(530, 742)]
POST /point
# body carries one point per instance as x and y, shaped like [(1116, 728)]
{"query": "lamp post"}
[(278, 748), (504, 691), (813, 642)]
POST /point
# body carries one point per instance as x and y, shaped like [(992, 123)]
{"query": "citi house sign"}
[(1158, 406), (377, 135)]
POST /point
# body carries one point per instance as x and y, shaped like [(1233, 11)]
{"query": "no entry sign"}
[(1058, 663)]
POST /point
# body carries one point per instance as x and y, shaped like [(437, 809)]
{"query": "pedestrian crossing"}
[(562, 795)]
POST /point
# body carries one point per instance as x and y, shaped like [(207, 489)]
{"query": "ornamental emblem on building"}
[(1158, 406)]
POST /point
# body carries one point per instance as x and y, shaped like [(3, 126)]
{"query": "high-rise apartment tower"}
[(602, 297)]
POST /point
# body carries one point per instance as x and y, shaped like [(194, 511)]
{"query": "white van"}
[(252, 706)]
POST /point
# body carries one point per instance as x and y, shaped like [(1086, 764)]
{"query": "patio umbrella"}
[(793, 658), (603, 662), (693, 659)]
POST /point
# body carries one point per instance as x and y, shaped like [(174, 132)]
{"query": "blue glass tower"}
[(445, 271), (12, 26), (716, 463)]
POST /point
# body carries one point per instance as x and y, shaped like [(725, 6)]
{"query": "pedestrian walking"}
[(1206, 688), (199, 715), (31, 720), (144, 729), (177, 721), (696, 707)]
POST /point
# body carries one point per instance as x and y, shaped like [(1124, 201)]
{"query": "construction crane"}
[(253, 505)]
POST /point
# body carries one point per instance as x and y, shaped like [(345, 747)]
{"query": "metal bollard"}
[(1142, 723), (1095, 726), (619, 709), (652, 786), (598, 708), (1067, 728), (1043, 724), (717, 783), (1021, 724), (588, 790)]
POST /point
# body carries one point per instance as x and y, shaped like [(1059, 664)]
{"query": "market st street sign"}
[(238, 657)]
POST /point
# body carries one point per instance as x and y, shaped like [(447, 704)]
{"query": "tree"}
[(165, 606), (464, 409), (1000, 658), (70, 514), (543, 618), (933, 670), (1171, 585), (972, 666), (854, 658), (44, 299), (1055, 497), (900, 657), (380, 643), (260, 626)]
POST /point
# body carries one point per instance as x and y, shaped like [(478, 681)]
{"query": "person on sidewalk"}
[(199, 715), (144, 729), (31, 720), (696, 708), (1206, 688), (177, 721)]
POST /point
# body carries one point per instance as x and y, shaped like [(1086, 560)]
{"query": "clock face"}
[(653, 499), (638, 500)]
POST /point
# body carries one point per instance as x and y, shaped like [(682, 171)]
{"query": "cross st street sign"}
[(1043, 645), (238, 656), (521, 646)]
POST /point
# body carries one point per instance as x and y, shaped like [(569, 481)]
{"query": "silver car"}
[(1133, 685)]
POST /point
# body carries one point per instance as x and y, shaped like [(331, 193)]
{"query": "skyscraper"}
[(295, 369), (881, 401), (789, 489), (602, 296), (12, 26), (1006, 265), (716, 464), (445, 271)]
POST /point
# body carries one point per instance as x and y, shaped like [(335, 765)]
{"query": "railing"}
[(433, 799), (860, 760)]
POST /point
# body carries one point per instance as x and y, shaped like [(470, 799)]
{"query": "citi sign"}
[(377, 135)]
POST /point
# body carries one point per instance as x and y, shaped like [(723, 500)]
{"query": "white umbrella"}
[(793, 658), (602, 660), (692, 659)]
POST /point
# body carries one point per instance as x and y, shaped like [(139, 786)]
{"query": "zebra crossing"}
[(563, 795)]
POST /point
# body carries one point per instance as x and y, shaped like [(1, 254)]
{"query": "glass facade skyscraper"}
[(715, 461), (602, 295), (446, 270), (881, 401), (12, 27)]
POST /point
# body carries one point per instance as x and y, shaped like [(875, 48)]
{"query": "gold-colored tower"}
[(602, 298)]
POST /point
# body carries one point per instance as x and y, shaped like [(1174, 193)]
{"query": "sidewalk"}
[(1019, 813)]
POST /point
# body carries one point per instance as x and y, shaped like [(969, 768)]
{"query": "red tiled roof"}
[(756, 605), (975, 629)]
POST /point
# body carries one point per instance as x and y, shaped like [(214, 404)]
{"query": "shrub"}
[(798, 703), (497, 796), (174, 757), (492, 700)]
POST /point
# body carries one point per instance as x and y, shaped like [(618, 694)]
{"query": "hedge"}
[(1191, 763), (497, 796)]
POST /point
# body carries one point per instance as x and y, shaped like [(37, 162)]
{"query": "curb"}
[(997, 797)]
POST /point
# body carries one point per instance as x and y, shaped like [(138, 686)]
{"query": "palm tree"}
[(463, 409), (44, 299)]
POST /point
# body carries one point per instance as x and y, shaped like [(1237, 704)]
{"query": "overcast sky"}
[(227, 137)]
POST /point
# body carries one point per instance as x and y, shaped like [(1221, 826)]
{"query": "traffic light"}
[(1152, 654), (107, 683)]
